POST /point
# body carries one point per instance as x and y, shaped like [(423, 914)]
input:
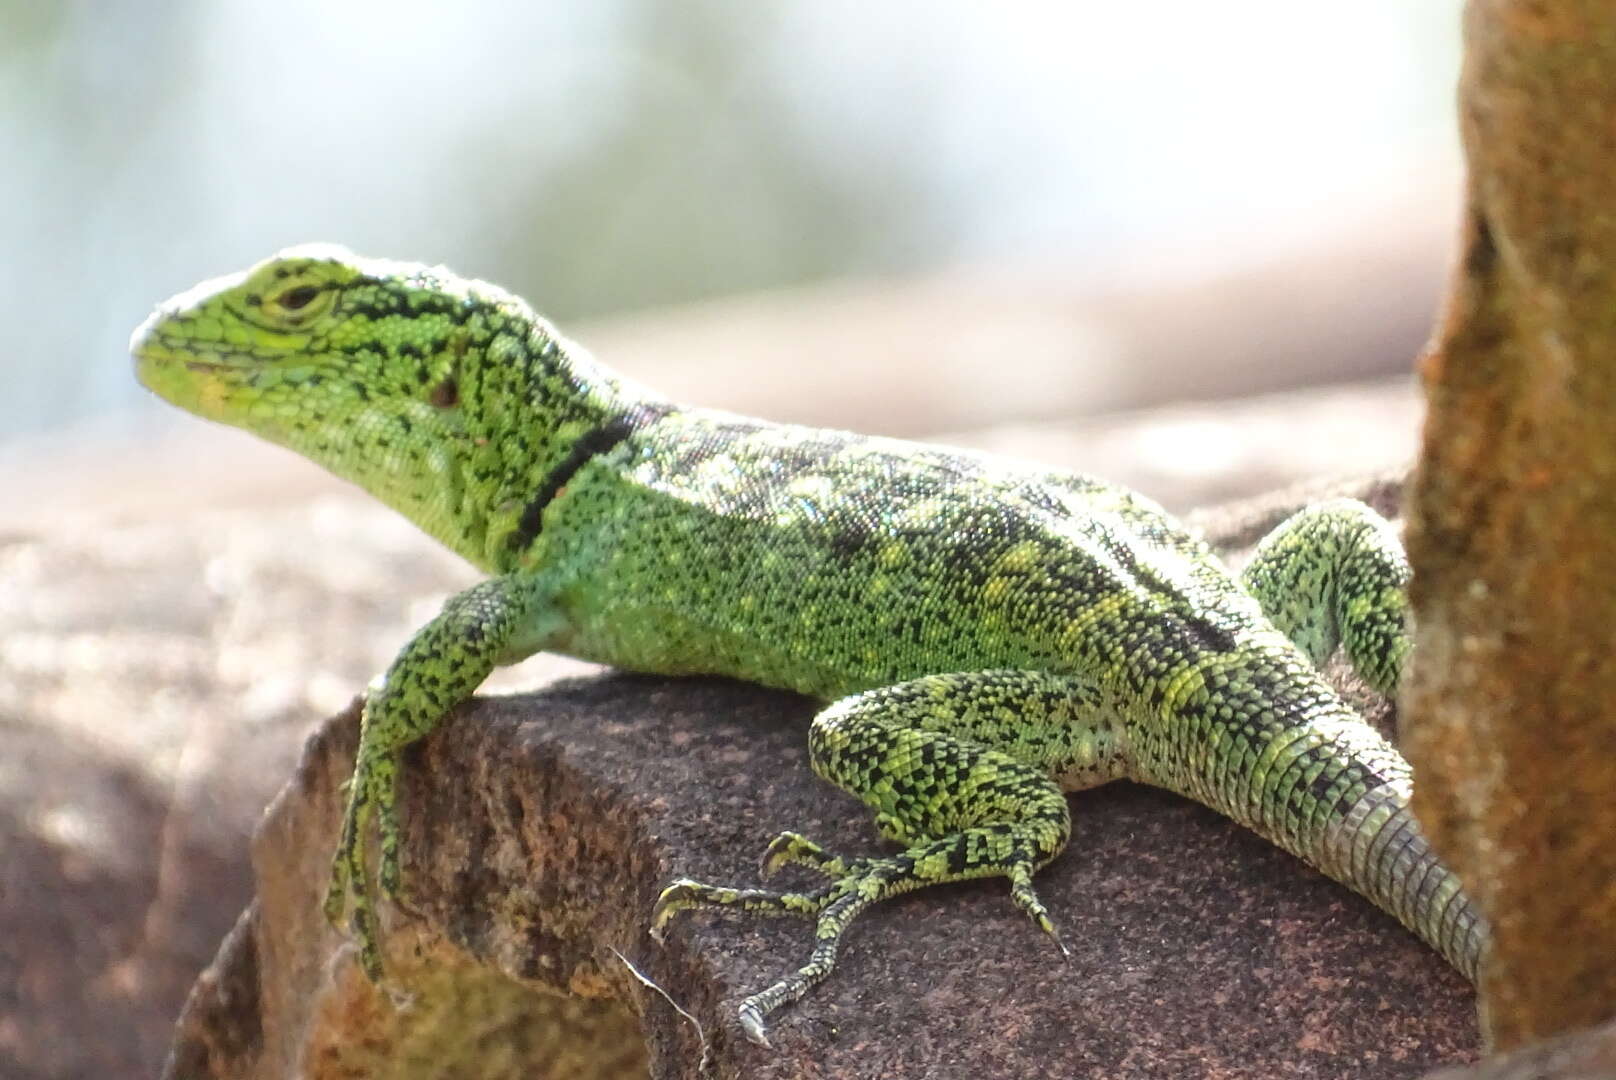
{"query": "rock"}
[(1581, 1055)]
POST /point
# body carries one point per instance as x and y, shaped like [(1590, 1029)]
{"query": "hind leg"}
[(958, 769)]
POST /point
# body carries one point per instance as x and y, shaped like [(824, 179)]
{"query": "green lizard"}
[(988, 633)]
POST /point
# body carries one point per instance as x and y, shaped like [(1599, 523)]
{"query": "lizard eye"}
[(285, 295), (299, 297)]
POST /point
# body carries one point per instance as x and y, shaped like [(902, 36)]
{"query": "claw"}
[(777, 854), (672, 900), (854, 885), (791, 848)]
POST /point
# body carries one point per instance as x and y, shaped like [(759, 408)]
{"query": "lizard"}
[(986, 634)]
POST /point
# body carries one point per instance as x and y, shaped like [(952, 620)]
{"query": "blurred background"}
[(630, 155), (1086, 232)]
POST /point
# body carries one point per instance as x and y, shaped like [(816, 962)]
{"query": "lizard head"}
[(352, 362), (445, 397), (307, 343)]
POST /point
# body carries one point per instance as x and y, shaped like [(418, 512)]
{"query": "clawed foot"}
[(349, 889), (854, 885)]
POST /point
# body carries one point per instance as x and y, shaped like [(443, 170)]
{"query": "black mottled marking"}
[(358, 348), (1206, 634), (807, 454), (595, 441), (1040, 498), (383, 303), (1353, 773), (1210, 636), (959, 858), (853, 535)]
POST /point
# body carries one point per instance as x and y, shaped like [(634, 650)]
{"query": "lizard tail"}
[(1378, 849), (1316, 780)]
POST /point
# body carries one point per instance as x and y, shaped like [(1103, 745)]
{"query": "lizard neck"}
[(536, 408), (516, 376), (510, 409)]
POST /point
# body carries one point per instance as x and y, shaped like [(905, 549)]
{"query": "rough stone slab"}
[(541, 826)]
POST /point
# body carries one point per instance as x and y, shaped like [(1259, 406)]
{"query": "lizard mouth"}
[(174, 368), (156, 352)]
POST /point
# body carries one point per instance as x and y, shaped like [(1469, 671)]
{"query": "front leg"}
[(495, 622)]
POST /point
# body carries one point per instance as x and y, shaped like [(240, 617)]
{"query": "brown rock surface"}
[(154, 680), (1582, 1055), (570, 807)]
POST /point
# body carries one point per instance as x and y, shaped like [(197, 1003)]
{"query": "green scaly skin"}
[(989, 634)]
